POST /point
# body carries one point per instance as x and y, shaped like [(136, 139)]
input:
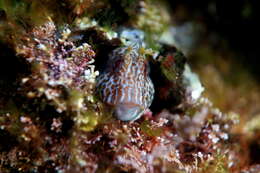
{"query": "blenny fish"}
[(125, 84)]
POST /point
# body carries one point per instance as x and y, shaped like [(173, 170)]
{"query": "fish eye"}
[(117, 63)]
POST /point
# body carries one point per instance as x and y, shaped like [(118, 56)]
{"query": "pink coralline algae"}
[(58, 64), (62, 62)]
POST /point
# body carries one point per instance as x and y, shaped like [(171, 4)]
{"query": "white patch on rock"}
[(192, 83)]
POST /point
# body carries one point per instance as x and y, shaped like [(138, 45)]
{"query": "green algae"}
[(147, 128)]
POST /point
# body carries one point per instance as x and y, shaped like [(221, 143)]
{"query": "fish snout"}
[(128, 112)]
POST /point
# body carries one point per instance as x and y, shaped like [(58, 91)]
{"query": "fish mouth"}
[(128, 112)]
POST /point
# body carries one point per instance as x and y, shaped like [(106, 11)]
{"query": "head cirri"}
[(125, 84)]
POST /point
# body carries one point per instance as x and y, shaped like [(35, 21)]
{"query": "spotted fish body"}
[(125, 83)]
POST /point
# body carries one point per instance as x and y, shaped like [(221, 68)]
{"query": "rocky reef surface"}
[(53, 119)]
